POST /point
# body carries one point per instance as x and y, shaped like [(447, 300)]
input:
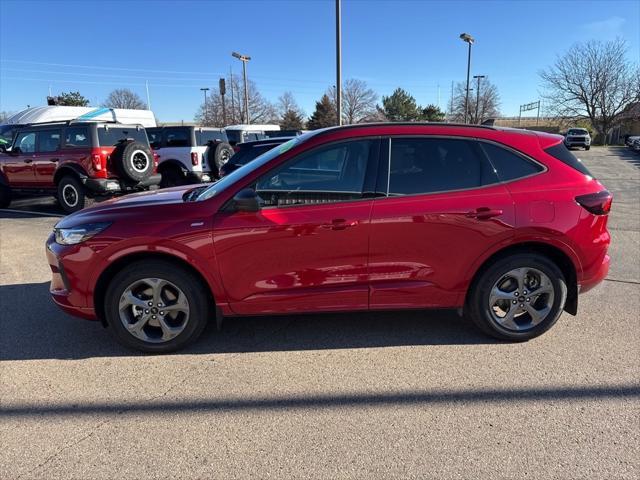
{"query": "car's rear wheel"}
[(172, 176), (518, 297), (72, 195), (5, 196), (587, 147), (155, 307)]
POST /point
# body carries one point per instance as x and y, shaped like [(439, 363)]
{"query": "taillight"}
[(194, 158), (156, 159), (596, 203), (236, 148), (96, 159)]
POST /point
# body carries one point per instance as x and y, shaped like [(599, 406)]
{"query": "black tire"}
[(134, 161), (477, 304), (587, 148), (72, 196), (5, 196), (218, 154), (172, 176), (190, 286)]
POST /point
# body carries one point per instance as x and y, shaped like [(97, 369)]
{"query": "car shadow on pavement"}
[(34, 328), (627, 155)]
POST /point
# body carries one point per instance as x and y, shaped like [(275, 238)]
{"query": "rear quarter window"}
[(508, 164), (562, 153), (110, 136), (206, 136)]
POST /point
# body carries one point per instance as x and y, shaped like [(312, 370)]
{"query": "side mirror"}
[(247, 200)]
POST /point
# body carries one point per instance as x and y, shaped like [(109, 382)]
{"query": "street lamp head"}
[(479, 76), (204, 89), (465, 37), (244, 58)]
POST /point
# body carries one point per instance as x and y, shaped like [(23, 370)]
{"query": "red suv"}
[(77, 161), (505, 225)]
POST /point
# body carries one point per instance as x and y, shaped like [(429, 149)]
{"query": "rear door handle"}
[(339, 224), (28, 160), (54, 160), (484, 213)]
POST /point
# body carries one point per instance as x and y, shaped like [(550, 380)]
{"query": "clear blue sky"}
[(180, 46)]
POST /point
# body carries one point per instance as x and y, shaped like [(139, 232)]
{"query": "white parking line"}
[(27, 212)]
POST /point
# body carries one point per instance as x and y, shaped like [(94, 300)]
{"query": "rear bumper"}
[(199, 177), (107, 186), (599, 275)]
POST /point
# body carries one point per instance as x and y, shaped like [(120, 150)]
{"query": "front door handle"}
[(54, 160), (28, 160), (339, 224), (484, 213)]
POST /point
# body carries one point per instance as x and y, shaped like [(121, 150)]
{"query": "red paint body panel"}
[(409, 251)]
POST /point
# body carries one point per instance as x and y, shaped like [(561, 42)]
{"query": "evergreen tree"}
[(400, 107), (291, 120), (432, 113), (325, 114)]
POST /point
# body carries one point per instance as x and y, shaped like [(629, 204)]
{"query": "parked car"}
[(57, 113), (578, 137), (635, 145), (248, 151), (506, 226), (247, 133), (188, 154), (629, 140), (283, 133), (77, 161)]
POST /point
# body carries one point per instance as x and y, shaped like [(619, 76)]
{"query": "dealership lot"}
[(369, 395)]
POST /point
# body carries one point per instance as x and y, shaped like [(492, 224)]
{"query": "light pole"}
[(465, 37), (206, 110), (244, 59), (478, 77), (339, 61)]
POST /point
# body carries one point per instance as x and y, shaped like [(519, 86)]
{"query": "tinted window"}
[(26, 142), (234, 136), (77, 137), (563, 154), (6, 134), (509, 165), (48, 140), (155, 137), (577, 131), (177, 137), (245, 155), (425, 165), (206, 136), (111, 136), (329, 174)]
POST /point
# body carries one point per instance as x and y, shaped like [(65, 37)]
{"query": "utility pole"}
[(233, 104), (465, 37), (478, 77), (146, 83), (206, 110), (222, 88), (244, 59), (339, 61), (451, 104)]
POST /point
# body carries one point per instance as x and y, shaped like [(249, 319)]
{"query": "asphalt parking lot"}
[(419, 394)]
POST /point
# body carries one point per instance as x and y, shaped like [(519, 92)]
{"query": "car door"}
[(47, 156), (444, 207), (306, 249), (18, 165)]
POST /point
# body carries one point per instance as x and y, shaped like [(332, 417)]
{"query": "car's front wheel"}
[(518, 297), (155, 307)]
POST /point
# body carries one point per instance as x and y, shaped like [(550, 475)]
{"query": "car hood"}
[(129, 206)]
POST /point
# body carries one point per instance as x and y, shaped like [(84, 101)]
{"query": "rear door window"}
[(48, 140), (508, 164), (77, 137), (177, 137), (111, 136), (428, 165)]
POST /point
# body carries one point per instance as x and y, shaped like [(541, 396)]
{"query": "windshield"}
[(266, 157), (577, 131), (6, 134)]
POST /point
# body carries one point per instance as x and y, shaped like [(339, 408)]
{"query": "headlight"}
[(74, 235)]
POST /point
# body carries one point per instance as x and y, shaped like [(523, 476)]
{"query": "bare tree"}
[(487, 101), (260, 109), (359, 101), (290, 113), (593, 80), (124, 98)]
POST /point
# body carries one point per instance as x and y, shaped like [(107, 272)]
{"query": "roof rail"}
[(417, 124)]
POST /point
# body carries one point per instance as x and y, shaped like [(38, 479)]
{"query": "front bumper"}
[(108, 186), (577, 142), (65, 290)]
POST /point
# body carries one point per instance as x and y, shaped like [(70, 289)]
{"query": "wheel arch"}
[(74, 170), (172, 163), (554, 253), (108, 273)]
